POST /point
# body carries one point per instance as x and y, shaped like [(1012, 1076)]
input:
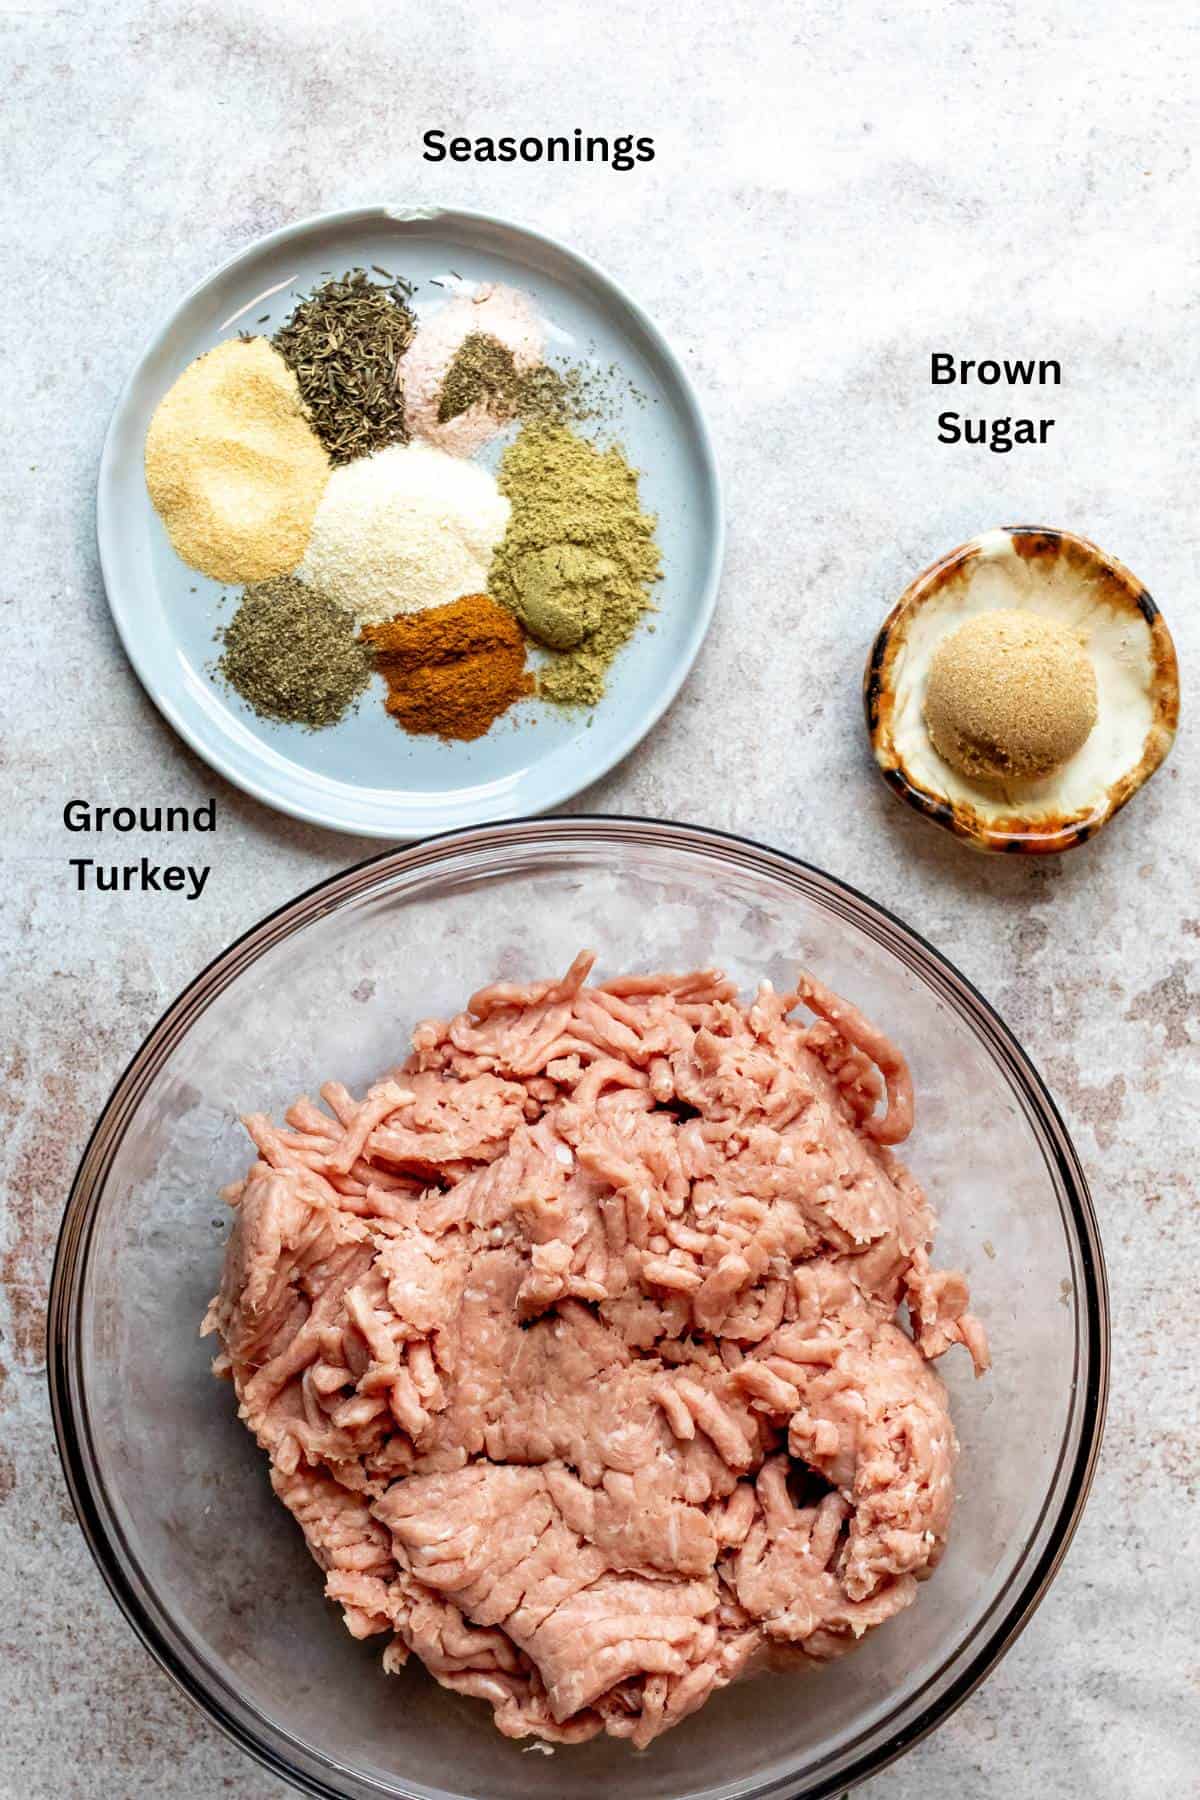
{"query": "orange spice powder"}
[(451, 670)]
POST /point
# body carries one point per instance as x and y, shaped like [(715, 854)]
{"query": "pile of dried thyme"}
[(344, 343)]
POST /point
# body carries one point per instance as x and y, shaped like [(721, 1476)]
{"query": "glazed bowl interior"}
[(173, 1493)]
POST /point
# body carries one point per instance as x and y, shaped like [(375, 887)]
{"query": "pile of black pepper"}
[(293, 654)]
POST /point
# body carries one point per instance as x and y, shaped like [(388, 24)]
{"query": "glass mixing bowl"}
[(172, 1492)]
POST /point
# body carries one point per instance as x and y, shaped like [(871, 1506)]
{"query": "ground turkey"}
[(573, 1344)]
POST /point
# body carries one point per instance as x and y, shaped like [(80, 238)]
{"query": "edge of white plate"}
[(108, 528)]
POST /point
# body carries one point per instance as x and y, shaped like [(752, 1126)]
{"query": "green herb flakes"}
[(292, 654), (482, 371)]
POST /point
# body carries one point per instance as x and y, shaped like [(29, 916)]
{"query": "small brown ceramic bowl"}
[(1057, 575)]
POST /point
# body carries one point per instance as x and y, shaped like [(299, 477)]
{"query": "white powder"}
[(500, 312), (407, 528)]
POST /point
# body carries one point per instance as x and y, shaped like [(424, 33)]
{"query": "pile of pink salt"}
[(496, 311)]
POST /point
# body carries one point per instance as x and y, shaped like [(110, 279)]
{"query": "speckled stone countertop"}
[(838, 190)]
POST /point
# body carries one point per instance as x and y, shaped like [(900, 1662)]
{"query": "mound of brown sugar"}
[(1011, 696)]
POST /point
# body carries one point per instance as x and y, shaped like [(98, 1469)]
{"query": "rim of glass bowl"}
[(876, 1746)]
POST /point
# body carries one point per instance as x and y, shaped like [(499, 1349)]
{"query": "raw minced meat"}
[(574, 1348)]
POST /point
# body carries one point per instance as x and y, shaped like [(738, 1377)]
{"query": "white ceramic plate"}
[(365, 775)]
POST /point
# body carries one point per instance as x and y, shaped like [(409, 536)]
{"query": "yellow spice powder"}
[(233, 466)]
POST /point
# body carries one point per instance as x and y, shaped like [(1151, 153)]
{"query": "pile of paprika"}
[(451, 670)]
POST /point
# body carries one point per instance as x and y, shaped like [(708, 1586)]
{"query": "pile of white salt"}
[(407, 528)]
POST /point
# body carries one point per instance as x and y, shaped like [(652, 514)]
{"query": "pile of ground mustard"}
[(578, 560)]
